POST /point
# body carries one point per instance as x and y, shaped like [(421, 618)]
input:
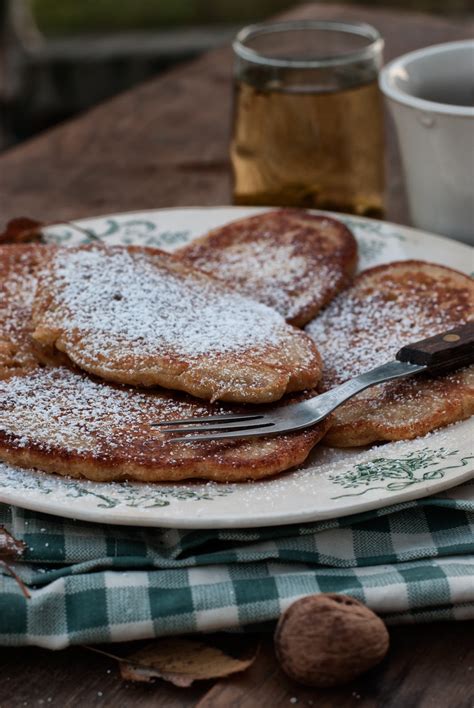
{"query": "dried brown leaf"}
[(11, 550), (10, 547), (182, 661), (22, 230)]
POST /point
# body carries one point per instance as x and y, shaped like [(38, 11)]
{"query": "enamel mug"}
[(430, 94)]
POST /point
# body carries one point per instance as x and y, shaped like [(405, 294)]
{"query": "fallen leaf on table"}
[(183, 661), (22, 230), (12, 549)]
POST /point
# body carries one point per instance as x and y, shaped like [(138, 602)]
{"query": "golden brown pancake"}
[(18, 274), (404, 410), (62, 421), (288, 259), (144, 317), (386, 308)]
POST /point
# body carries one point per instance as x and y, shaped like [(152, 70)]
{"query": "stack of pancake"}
[(98, 343)]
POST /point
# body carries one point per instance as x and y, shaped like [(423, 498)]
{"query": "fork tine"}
[(260, 430), (237, 425), (209, 419), (237, 434)]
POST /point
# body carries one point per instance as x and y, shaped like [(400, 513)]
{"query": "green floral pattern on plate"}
[(377, 478), (131, 231), (413, 468), (109, 496), (372, 242)]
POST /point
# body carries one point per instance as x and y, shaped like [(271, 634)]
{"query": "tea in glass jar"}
[(308, 120)]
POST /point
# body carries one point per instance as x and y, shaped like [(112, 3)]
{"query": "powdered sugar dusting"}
[(288, 259), (276, 274), (366, 325), (74, 422), (18, 279), (58, 408), (325, 463), (121, 298)]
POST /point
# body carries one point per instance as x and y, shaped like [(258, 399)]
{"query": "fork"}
[(443, 352)]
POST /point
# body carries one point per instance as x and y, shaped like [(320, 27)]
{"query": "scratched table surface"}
[(163, 144)]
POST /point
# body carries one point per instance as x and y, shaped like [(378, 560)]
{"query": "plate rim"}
[(256, 209), (236, 522), (222, 520)]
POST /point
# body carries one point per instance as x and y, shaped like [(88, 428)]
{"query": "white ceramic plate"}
[(331, 484)]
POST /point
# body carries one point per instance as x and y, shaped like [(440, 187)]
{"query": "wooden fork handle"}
[(450, 349)]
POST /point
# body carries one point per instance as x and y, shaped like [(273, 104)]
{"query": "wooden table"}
[(165, 144)]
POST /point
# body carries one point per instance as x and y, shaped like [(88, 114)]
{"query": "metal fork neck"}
[(386, 372)]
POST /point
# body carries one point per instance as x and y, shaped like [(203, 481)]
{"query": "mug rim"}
[(399, 96)]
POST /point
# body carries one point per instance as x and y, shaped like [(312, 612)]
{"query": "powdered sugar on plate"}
[(303, 495)]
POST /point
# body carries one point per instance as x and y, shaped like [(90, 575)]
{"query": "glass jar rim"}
[(361, 29)]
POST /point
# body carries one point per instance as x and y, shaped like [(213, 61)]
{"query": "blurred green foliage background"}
[(76, 16), (88, 50)]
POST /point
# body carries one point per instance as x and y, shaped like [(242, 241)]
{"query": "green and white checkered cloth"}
[(412, 562)]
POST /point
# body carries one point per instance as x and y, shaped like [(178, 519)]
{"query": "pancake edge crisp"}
[(19, 266), (144, 317), (387, 307), (62, 421), (288, 259)]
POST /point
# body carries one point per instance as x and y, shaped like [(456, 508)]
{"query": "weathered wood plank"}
[(428, 666), (419, 672), (165, 143)]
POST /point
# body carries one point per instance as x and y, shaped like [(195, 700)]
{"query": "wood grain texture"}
[(165, 143), (428, 666), (417, 672), (78, 678), (455, 347)]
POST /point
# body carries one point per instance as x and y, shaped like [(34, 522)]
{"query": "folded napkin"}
[(412, 562)]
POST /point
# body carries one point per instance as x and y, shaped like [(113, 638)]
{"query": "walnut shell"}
[(328, 639)]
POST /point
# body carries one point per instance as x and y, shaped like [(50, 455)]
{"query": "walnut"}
[(329, 639)]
